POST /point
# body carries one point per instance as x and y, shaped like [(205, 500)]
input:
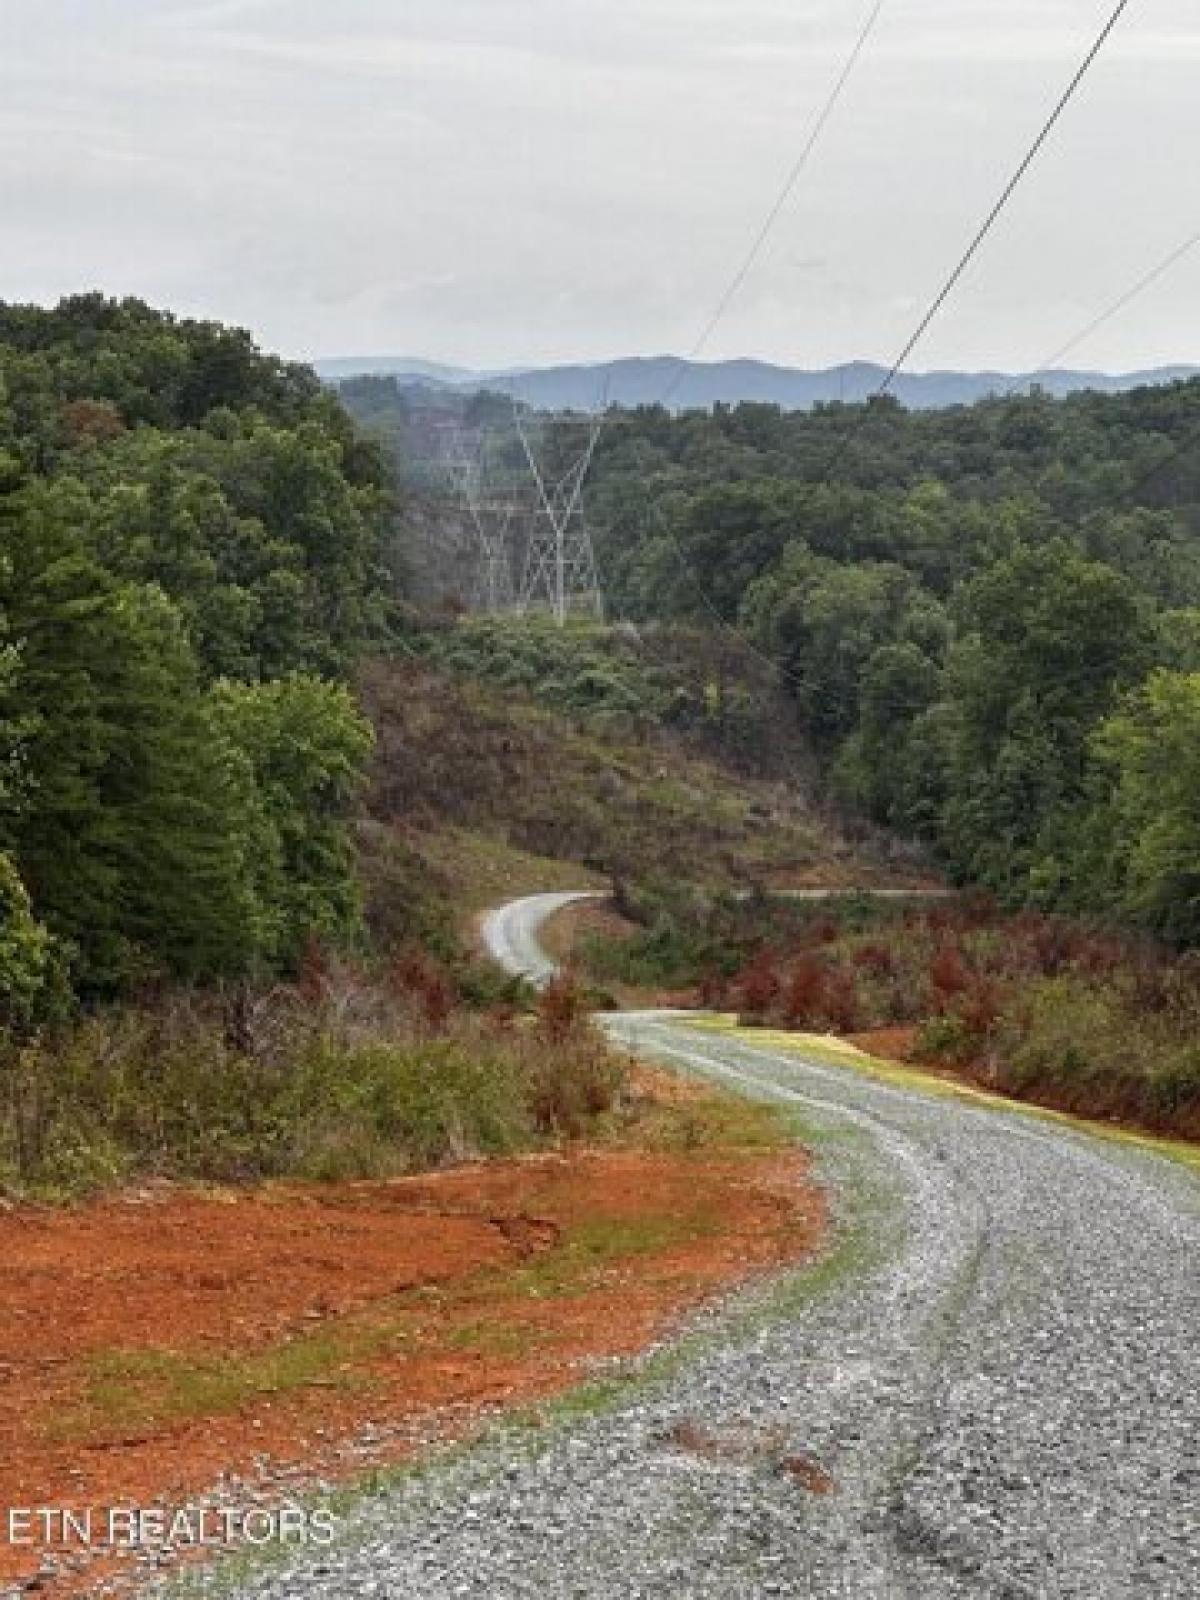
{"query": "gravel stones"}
[(995, 1385)]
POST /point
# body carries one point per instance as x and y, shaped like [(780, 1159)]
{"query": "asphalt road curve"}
[(990, 1388)]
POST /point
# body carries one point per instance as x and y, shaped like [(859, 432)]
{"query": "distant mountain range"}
[(341, 367), (690, 384)]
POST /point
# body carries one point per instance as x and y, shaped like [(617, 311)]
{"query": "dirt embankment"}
[(156, 1343)]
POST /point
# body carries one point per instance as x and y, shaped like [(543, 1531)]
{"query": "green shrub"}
[(28, 961), (1088, 1045), (946, 1038)]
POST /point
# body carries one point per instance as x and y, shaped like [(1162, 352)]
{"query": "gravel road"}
[(995, 1377), (510, 934)]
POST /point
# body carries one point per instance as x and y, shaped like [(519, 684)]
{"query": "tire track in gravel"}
[(923, 1309)]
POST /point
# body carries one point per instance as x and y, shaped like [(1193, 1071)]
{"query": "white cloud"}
[(497, 181)]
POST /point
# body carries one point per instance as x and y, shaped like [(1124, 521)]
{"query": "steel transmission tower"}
[(560, 564), (523, 501), (493, 513)]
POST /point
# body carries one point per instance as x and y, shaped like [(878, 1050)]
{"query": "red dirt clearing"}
[(153, 1342)]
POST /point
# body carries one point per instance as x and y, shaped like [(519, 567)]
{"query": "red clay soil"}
[(423, 1302)]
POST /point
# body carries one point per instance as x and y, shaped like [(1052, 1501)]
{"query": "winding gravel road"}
[(998, 1369)]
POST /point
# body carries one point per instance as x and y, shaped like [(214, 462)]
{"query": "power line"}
[(1121, 303), (944, 293), (1006, 195), (738, 282), (730, 293), (746, 267), (799, 166), (1010, 188)]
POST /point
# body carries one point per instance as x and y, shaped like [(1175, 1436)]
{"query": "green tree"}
[(27, 957), (306, 744), (826, 623), (900, 683), (1050, 642), (1149, 751), (130, 839)]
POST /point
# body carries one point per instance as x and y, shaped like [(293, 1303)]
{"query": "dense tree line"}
[(192, 540)]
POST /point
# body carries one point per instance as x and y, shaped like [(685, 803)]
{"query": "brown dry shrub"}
[(949, 976), (805, 989), (421, 977), (713, 991), (758, 988), (842, 1008), (561, 1006), (876, 960)]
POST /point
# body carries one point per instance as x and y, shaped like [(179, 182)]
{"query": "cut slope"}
[(493, 768)]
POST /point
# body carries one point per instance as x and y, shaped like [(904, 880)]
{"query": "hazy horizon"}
[(537, 183), (916, 370)]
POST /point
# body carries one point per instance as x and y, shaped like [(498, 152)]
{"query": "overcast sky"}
[(493, 182)]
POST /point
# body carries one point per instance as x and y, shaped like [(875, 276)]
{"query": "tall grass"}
[(337, 1077)]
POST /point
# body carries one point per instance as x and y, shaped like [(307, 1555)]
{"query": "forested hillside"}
[(232, 929), (989, 618), (192, 554)]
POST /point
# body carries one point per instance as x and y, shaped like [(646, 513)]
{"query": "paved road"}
[(998, 1369)]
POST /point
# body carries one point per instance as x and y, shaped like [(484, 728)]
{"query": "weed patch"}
[(1033, 1006), (342, 1077)]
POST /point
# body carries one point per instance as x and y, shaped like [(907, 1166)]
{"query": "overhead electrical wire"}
[(750, 261), (1121, 303), (1006, 195), (779, 205), (940, 300), (947, 289), (798, 168), (943, 296)]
